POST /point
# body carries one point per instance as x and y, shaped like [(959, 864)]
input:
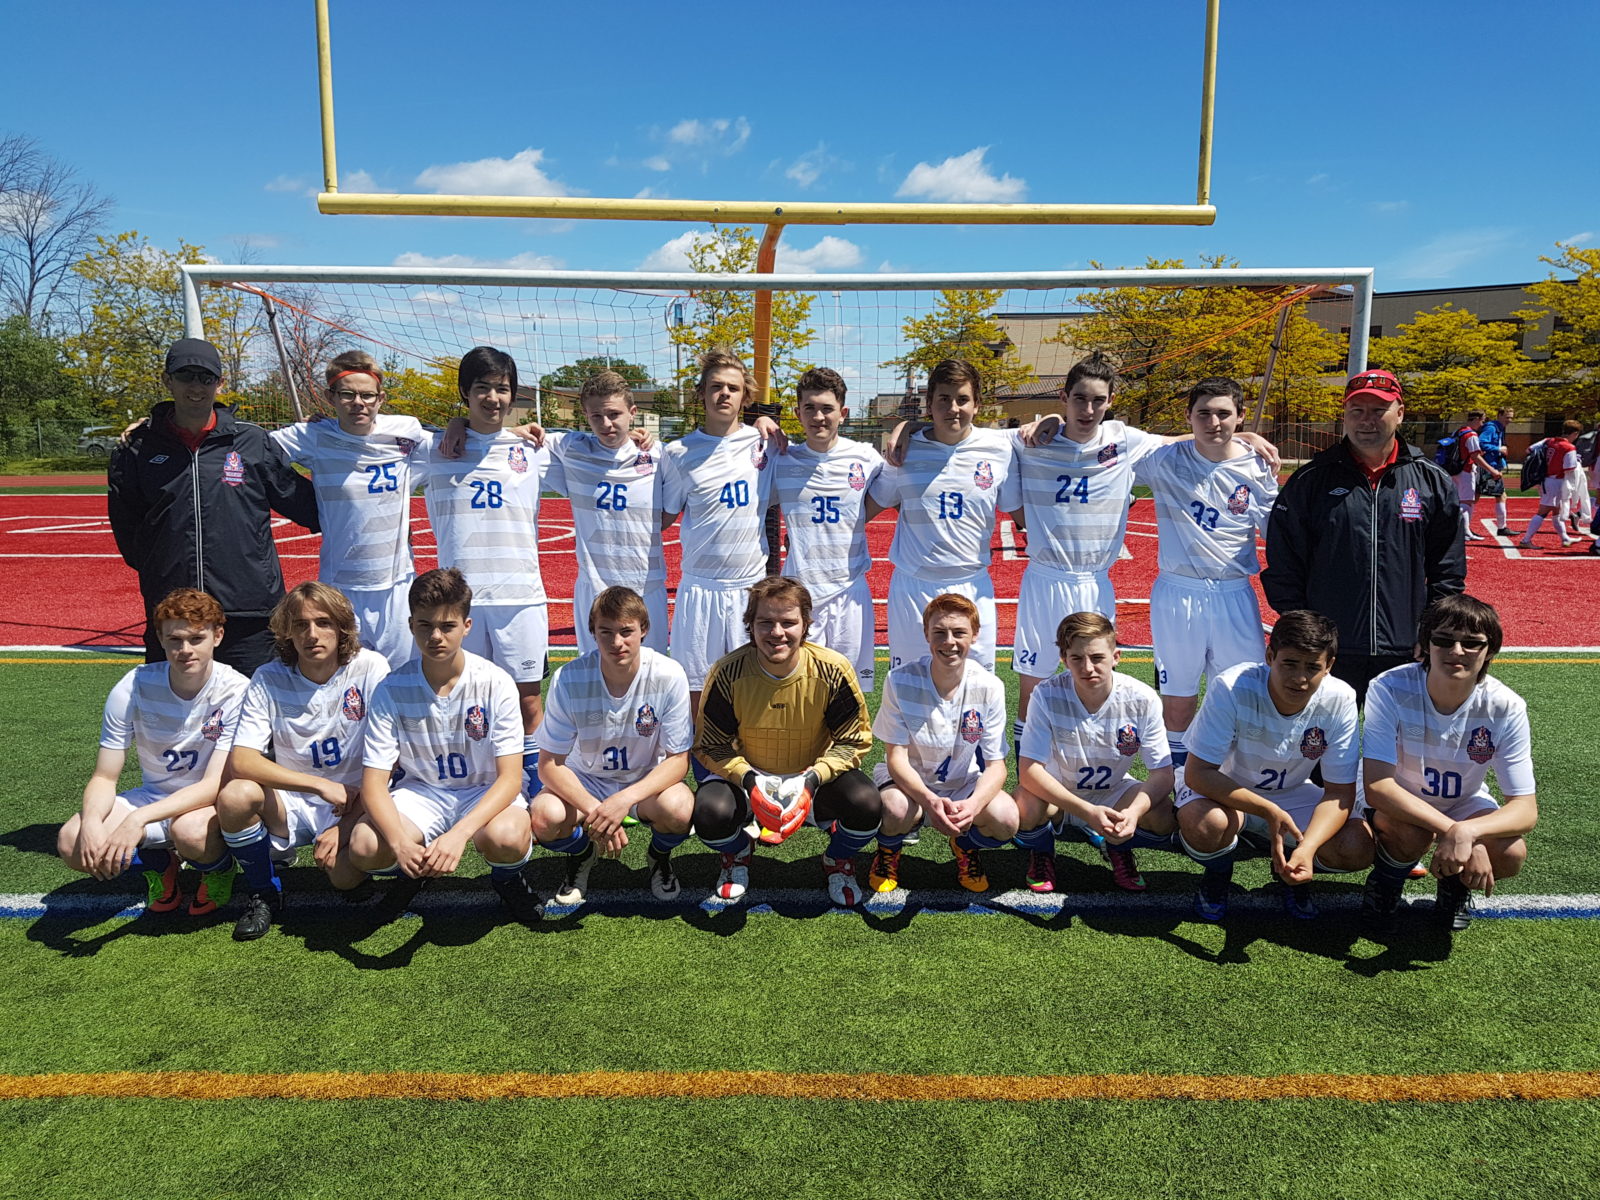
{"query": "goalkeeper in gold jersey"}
[(785, 726)]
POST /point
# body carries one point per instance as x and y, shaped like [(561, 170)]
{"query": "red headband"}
[(373, 371)]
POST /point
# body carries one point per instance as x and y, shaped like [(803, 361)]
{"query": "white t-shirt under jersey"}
[(617, 738), (315, 728), (1240, 729), (948, 741), (1207, 513), (484, 507), (175, 738), (823, 497), (363, 487), (948, 497), (1089, 753), (1445, 757), (445, 743), (616, 509), (722, 486)]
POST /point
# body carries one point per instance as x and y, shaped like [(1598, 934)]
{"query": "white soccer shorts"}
[(158, 834), (1466, 487), (383, 616), (307, 816), (1046, 596), (1553, 491), (709, 619), (655, 601), (434, 812), (1201, 627), (1108, 797), (515, 637), (964, 789), (909, 596), (844, 622)]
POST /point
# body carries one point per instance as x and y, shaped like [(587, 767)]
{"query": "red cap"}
[(1381, 384)]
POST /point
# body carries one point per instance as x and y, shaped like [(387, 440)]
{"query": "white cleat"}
[(843, 889), (733, 881)]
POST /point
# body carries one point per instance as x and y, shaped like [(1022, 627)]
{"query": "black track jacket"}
[(1370, 559), (204, 519)]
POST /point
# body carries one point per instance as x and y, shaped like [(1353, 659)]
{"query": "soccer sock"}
[(847, 843), (531, 785), (506, 870), (663, 844), (252, 849), (1016, 736), (152, 858), (221, 864), (1213, 862), (1180, 748), (1143, 839), (1386, 867), (736, 843), (972, 839), (1533, 526), (1041, 840), (1466, 520), (575, 842), (891, 841), (1500, 513)]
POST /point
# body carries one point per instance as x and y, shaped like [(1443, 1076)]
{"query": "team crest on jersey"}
[(758, 455), (1480, 745), (354, 706), (477, 724), (1313, 743), (645, 721), (643, 464), (518, 458), (972, 726), (1240, 500), (1128, 740), (984, 475), (212, 729), (858, 477), (233, 469), (1410, 505), (1108, 453), (405, 446)]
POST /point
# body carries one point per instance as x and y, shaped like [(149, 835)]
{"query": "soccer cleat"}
[(663, 880), (1524, 544), (1452, 904), (1124, 870), (1502, 532), (733, 881), (256, 920), (161, 889), (215, 890), (843, 889), (519, 896), (969, 871), (1380, 900), (885, 873), (1096, 840), (1296, 898), (285, 858), (1041, 875), (576, 885), (1419, 872), (1211, 898)]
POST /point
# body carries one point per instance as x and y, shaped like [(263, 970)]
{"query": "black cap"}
[(193, 352)]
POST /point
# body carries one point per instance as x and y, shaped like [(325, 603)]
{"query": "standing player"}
[(1433, 729), (296, 761), (785, 726), (1561, 462), (361, 470), (1260, 733), (1492, 441), (181, 714), (451, 721), (1082, 732), (719, 477), (615, 741), (942, 724), (822, 489), (1212, 495), (1470, 452), (948, 493), (484, 508)]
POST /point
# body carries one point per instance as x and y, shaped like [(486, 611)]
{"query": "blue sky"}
[(1442, 143)]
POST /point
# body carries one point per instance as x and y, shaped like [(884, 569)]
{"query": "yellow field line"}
[(715, 1085)]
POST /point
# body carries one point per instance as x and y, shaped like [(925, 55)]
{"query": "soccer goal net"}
[(1289, 335)]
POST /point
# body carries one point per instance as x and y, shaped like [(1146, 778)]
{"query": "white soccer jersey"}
[(315, 728), (948, 741), (1207, 513), (1075, 495), (447, 743), (484, 508), (824, 496), (1240, 729), (948, 497), (617, 738), (1445, 757), (616, 509), (1089, 753), (175, 738), (363, 487), (722, 486)]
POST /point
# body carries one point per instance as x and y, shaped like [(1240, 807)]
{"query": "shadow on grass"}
[(38, 838)]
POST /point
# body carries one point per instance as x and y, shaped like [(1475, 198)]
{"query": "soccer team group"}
[(394, 719)]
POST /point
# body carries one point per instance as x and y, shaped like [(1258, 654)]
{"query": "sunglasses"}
[(194, 375), (1372, 383), (1449, 641)]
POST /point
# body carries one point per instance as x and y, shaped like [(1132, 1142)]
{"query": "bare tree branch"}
[(48, 220)]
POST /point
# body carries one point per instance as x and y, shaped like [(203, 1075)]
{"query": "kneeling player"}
[(181, 714), (453, 723), (1261, 731), (1433, 730), (308, 707), (785, 725), (1081, 733), (615, 740), (942, 723)]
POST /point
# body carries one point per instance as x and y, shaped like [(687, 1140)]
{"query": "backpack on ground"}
[(1448, 455), (1535, 466)]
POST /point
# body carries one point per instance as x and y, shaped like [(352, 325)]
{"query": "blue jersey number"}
[(826, 510), (942, 775), (1093, 779), (1069, 491), (451, 766), (1446, 785), (326, 753), (616, 758), (181, 760), (1027, 658), (1204, 517), (1271, 780), (486, 494), (951, 506), (383, 479), (613, 497), (736, 494)]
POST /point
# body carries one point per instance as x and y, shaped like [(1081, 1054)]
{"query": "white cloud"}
[(808, 168), (519, 175), (1579, 239), (358, 181), (1318, 179), (671, 256), (1390, 206), (963, 179), (658, 162), (1446, 254), (526, 261), (718, 135), (830, 254), (287, 183), (649, 194)]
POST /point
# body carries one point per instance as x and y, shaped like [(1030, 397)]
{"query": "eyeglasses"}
[(1449, 641), (194, 375), (345, 397), (1372, 383)]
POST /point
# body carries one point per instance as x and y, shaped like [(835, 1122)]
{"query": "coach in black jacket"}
[(191, 494), (1366, 533)]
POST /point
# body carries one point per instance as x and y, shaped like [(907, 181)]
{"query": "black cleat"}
[(260, 910), (1452, 904), (663, 880), (519, 897), (1380, 900)]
